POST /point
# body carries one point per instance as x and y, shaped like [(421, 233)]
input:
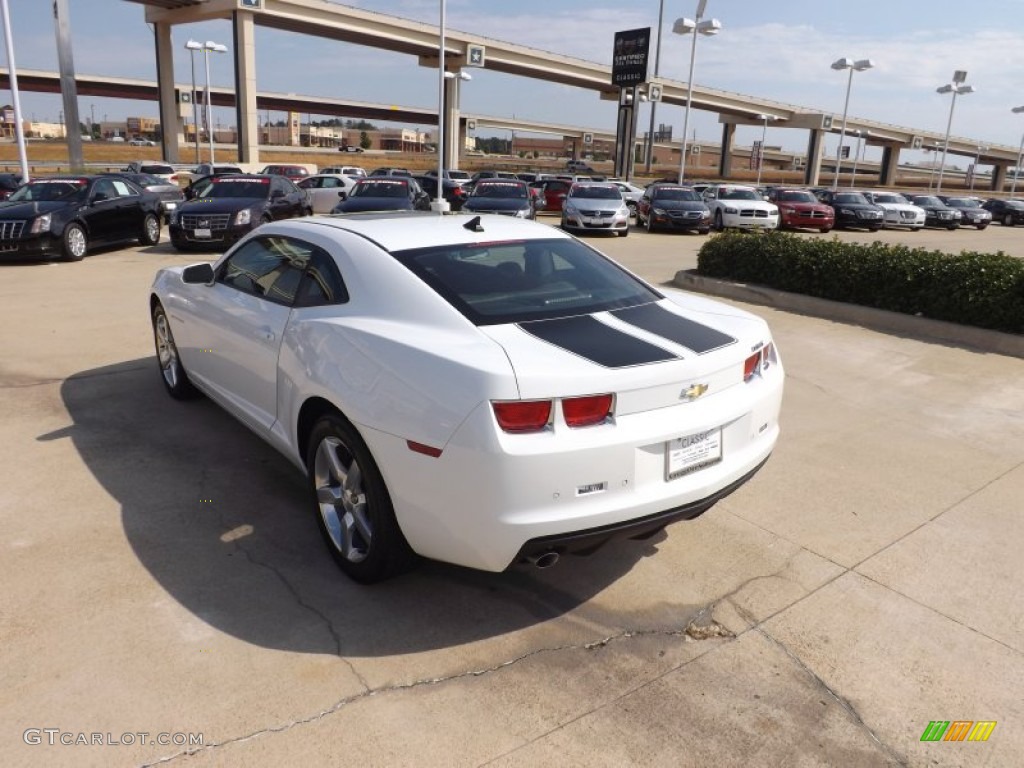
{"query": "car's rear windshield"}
[(238, 187), (374, 188), (521, 280)]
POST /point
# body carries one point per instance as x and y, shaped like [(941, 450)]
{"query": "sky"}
[(779, 50)]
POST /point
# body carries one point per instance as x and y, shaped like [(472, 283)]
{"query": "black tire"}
[(1008, 220), (719, 223), (649, 223), (705, 231), (632, 208), (357, 519), (981, 226), (307, 212), (150, 230), (874, 229), (624, 232), (172, 372), (825, 230), (74, 243)]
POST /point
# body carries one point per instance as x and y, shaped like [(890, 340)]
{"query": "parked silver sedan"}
[(595, 206)]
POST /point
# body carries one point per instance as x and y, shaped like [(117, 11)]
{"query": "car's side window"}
[(268, 267), (322, 284), (104, 189), (122, 189)]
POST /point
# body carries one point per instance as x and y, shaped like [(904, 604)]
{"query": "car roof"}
[(423, 229)]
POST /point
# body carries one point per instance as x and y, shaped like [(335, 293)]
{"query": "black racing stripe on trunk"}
[(655, 319), (590, 338)]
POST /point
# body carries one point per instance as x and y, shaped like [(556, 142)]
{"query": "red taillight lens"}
[(586, 411), (750, 365), (523, 415)]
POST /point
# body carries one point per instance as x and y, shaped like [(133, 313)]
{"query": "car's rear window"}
[(521, 280), (156, 168)]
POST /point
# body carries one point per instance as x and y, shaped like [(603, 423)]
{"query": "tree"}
[(364, 140)]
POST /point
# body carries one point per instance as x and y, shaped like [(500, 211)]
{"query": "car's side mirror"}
[(198, 274), (342, 195)]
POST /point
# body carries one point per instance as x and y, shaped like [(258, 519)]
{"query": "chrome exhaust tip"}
[(543, 560)]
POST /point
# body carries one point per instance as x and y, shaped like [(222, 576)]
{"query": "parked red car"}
[(293, 173), (800, 209), (552, 193)]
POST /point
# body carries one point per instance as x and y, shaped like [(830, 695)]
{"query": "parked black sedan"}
[(169, 193), (453, 191), (852, 209), (510, 197), (66, 216), (231, 207), (385, 193), (1006, 212), (973, 215), (671, 206), (8, 183), (936, 212)]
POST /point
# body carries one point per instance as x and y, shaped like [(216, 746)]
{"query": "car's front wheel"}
[(1008, 220), (171, 370), (719, 223), (74, 242), (353, 507)]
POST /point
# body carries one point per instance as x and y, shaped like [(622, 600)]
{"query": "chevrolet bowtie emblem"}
[(693, 391)]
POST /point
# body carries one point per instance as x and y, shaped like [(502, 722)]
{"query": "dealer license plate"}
[(202, 233), (692, 453)]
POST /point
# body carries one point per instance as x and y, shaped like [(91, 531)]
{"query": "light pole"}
[(931, 173), (19, 127), (760, 154), (209, 46), (684, 26), (192, 46), (654, 105), (856, 155), (957, 87), (1016, 170), (977, 159), (854, 66)]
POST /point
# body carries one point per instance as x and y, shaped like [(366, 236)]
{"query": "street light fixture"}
[(1016, 170), (856, 155), (208, 47), (956, 88), (760, 154), (192, 46), (684, 26), (854, 66)]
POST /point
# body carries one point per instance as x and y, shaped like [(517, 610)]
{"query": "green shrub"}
[(980, 289)]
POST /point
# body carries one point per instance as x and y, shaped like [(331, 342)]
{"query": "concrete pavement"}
[(161, 574)]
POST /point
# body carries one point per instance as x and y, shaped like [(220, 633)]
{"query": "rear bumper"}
[(589, 541)]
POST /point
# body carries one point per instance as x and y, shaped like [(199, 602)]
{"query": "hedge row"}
[(980, 289)]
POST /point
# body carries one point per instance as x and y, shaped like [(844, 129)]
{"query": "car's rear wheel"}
[(74, 242), (1008, 220), (825, 230), (171, 370), (354, 510), (150, 230)]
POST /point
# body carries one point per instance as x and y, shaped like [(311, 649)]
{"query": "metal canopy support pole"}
[(67, 82), (170, 119), (19, 128), (246, 116)]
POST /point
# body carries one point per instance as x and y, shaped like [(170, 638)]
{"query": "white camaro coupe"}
[(480, 390)]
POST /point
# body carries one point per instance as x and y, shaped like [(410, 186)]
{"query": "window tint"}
[(268, 267), (104, 187), (525, 280), (122, 189), (322, 283)]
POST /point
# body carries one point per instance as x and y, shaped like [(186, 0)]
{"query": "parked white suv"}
[(740, 207)]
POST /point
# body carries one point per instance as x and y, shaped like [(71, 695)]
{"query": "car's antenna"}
[(473, 225)]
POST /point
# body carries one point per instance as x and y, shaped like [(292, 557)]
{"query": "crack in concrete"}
[(690, 632), (842, 701)]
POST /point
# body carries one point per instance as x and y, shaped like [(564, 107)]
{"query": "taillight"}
[(750, 365), (523, 415), (586, 411)]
